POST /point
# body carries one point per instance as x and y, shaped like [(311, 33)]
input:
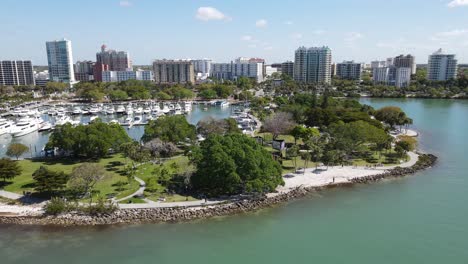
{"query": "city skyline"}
[(223, 31)]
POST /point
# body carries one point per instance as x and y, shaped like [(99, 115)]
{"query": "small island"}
[(302, 143)]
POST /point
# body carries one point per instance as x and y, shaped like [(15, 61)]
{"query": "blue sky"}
[(361, 30)]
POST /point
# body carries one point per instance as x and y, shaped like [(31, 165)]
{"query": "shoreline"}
[(181, 214)]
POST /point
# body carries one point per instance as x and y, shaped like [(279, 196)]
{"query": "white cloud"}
[(452, 33), (353, 36), (457, 3), (247, 38), (125, 3), (288, 23), (261, 23), (268, 48), (296, 36), (210, 13), (252, 46)]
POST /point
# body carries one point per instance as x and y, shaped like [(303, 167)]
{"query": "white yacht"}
[(46, 126), (137, 120), (139, 111), (24, 126), (166, 109), (94, 110), (120, 110), (187, 107), (110, 110), (5, 126), (147, 111), (77, 111), (129, 110), (62, 120)]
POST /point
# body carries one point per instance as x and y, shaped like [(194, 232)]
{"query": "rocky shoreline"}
[(155, 215)]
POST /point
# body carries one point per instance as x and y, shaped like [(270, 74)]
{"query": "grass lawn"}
[(114, 165)]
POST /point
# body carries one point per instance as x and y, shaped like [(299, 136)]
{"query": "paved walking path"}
[(10, 195), (139, 192)]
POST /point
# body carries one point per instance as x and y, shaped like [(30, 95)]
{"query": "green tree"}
[(93, 141), (85, 176), (173, 129), (16, 150), (9, 169), (292, 153), (48, 181), (233, 164)]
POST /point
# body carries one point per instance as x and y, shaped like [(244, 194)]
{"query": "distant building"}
[(333, 69), (99, 68), (60, 61), (378, 64), (41, 78), (313, 65), (241, 67), (349, 70), (441, 67), (120, 76), (269, 70), (202, 68), (407, 61), (16, 73), (173, 71), (287, 68), (84, 71), (403, 76), (117, 60)]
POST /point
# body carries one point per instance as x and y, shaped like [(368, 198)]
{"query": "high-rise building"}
[(60, 60), (407, 61), (402, 76), (84, 71), (16, 73), (120, 76), (441, 67), (117, 60), (349, 70), (99, 68), (378, 64), (173, 71), (287, 68), (241, 67), (202, 68), (313, 65)]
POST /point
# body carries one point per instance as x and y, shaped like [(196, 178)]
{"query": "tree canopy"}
[(93, 141), (16, 150), (234, 164), (9, 169), (173, 129), (48, 181)]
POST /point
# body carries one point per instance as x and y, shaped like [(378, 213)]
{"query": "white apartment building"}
[(441, 67), (119, 76), (242, 67), (403, 77)]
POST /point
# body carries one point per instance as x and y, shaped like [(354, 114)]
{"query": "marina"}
[(33, 123)]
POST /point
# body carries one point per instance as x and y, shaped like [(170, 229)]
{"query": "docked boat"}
[(94, 110), (46, 126), (91, 119), (77, 111), (5, 126), (147, 111), (110, 110), (120, 110), (137, 120), (139, 111), (24, 126)]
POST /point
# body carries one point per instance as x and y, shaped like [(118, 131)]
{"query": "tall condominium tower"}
[(287, 68), (60, 59), (441, 67), (407, 61), (173, 71), (117, 60), (313, 65), (16, 73)]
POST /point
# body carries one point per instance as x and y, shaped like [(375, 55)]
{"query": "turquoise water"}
[(418, 219)]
